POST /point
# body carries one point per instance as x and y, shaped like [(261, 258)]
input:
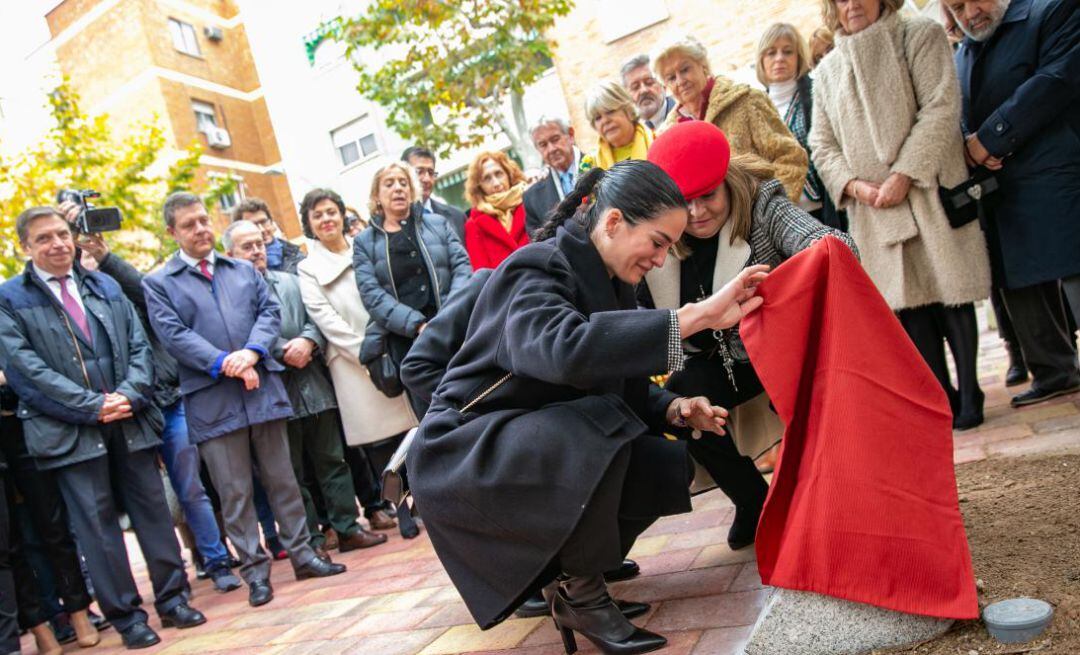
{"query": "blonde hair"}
[(776, 32), (831, 18), (686, 46), (606, 96), (373, 198), (473, 193), (745, 174), (821, 43)]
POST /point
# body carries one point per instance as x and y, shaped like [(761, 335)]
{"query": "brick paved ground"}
[(396, 600)]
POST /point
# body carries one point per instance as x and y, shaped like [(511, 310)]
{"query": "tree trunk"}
[(518, 132)]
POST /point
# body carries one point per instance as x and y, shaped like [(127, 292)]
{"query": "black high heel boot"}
[(602, 623)]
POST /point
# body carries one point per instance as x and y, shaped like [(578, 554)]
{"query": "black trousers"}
[(1039, 317), (929, 328), (88, 495), (45, 506), (735, 474), (9, 625)]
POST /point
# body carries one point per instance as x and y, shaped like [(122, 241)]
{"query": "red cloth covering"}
[(863, 504), (487, 241)]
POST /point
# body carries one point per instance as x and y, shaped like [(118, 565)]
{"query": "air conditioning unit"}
[(213, 33), (218, 137)]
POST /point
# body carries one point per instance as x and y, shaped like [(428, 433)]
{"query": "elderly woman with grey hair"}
[(746, 116), (885, 137), (614, 116)]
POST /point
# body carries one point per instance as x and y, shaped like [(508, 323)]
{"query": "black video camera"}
[(91, 219)]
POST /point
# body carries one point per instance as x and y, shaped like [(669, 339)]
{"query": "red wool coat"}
[(487, 241), (863, 505)]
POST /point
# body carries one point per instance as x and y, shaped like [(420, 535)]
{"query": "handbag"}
[(963, 203), (385, 375), (393, 482)]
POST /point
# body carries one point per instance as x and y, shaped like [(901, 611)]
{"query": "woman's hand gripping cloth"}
[(863, 504)]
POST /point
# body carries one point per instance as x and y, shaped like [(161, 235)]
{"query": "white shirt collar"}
[(194, 263), (428, 207), (49, 277)]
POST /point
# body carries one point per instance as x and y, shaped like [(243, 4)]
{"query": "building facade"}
[(188, 65)]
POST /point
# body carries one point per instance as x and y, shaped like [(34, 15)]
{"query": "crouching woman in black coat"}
[(538, 457)]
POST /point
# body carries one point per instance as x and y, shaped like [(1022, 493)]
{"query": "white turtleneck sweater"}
[(781, 94)]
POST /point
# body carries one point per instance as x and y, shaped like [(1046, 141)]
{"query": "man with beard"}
[(1019, 68), (647, 91)]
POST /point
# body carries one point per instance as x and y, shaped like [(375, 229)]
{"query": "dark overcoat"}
[(1021, 94), (38, 355), (502, 486), (539, 199), (454, 217), (199, 322), (423, 368)]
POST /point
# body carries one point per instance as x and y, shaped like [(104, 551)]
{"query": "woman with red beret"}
[(740, 216)]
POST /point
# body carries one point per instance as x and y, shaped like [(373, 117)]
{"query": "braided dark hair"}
[(639, 189)]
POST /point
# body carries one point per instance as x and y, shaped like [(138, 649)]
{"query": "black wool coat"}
[(1021, 93), (502, 486)]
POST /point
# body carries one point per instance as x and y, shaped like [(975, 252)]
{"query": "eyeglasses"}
[(426, 172)]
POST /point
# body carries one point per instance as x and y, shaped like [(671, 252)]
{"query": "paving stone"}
[(696, 520), (1043, 443), (646, 545), (803, 623), (447, 616), (723, 641), (314, 630), (721, 610), (721, 555), (668, 561), (1064, 422), (397, 643), (381, 622), (469, 638), (983, 437), (748, 579), (969, 454), (684, 584)]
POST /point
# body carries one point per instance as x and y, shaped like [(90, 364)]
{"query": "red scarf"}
[(705, 94), (863, 504)]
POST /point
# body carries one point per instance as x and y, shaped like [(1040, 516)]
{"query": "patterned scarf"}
[(502, 205)]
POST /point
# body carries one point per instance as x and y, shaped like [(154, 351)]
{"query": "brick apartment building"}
[(188, 64)]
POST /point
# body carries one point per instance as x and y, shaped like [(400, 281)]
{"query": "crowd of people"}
[(269, 384)]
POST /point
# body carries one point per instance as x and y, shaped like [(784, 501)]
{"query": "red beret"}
[(695, 154)]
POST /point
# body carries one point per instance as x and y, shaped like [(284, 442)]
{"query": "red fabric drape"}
[(863, 504)]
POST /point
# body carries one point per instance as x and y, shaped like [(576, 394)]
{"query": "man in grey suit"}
[(315, 428), (73, 349), (216, 316), (423, 162)]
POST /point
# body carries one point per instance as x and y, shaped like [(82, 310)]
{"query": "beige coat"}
[(887, 100), (328, 287), (751, 124)]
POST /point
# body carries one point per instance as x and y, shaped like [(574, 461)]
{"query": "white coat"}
[(328, 287)]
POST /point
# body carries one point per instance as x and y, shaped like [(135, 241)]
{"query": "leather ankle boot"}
[(85, 632), (601, 622)]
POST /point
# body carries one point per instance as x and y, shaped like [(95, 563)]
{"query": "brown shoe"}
[(380, 520), (331, 542), (360, 539)]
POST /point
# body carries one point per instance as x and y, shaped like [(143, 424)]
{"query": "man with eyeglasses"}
[(423, 162), (281, 255)]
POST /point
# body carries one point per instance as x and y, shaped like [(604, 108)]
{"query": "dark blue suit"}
[(1021, 92), (199, 322), (1021, 96)]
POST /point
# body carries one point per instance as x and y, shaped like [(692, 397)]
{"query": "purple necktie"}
[(73, 308)]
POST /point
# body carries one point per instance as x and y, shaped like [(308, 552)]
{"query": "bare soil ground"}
[(1023, 522)]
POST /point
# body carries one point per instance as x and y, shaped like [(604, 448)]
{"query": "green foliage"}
[(461, 60), (81, 152)]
